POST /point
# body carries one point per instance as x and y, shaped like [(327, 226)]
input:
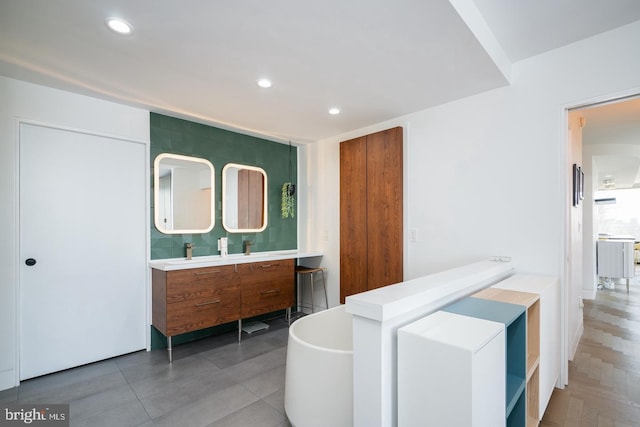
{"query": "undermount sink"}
[(217, 258), (196, 260), (262, 254), (237, 258)]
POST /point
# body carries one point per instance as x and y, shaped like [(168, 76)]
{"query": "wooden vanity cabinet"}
[(266, 287), (197, 298), (192, 299)]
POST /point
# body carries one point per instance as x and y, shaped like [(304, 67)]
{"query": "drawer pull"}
[(202, 273), (269, 265), (200, 304), (270, 292)]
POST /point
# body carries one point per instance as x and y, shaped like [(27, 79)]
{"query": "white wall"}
[(32, 102), (486, 175), (574, 276), (590, 228)]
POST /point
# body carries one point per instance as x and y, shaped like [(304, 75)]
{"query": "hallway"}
[(604, 377)]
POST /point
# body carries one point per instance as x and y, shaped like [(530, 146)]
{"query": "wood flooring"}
[(604, 377)]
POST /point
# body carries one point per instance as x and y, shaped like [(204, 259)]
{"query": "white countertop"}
[(617, 240), (170, 264), (616, 237)]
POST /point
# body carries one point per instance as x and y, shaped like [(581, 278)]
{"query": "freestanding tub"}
[(319, 373)]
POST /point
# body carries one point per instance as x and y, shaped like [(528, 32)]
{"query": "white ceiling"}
[(526, 28), (374, 59)]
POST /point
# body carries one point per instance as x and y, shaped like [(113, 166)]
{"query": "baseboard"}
[(589, 293), (576, 340), (8, 379)]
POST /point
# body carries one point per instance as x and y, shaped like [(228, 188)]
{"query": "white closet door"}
[(82, 219)]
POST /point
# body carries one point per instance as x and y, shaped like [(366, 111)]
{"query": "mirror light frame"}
[(265, 204), (156, 186)]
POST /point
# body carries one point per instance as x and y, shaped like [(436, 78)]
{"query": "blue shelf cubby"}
[(514, 318)]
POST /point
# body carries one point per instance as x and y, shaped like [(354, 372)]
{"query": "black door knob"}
[(30, 262)]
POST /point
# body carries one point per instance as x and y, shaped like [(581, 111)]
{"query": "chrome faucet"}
[(247, 247), (189, 249)]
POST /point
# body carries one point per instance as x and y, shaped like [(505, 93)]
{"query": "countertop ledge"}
[(390, 303), (170, 264)]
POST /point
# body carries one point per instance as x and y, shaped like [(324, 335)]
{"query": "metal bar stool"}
[(310, 271)]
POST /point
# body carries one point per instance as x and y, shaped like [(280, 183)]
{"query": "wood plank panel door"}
[(353, 218), (371, 212)]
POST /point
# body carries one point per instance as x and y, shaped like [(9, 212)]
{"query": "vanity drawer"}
[(198, 283), (192, 299), (266, 287), (266, 297), (266, 271), (221, 305)]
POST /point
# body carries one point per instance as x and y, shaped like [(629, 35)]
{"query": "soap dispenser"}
[(223, 244)]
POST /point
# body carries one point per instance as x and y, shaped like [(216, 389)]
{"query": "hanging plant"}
[(288, 190), (288, 201)]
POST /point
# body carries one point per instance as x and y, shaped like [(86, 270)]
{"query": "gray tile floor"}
[(212, 382)]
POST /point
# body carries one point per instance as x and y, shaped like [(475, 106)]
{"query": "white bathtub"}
[(319, 373)]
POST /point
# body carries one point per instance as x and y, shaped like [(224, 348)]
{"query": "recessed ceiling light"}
[(119, 26), (264, 83), (333, 111)]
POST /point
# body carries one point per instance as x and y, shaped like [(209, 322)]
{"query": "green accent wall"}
[(219, 146)]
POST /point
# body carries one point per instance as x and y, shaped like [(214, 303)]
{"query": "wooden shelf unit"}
[(548, 289), (514, 317), (532, 303)]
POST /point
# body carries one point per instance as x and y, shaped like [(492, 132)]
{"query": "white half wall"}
[(25, 101), (487, 175)]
